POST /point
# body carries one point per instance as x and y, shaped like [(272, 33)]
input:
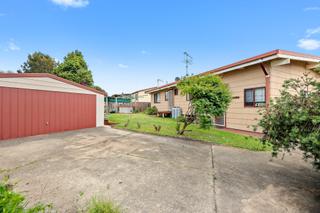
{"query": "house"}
[(137, 101), (120, 103), (142, 95), (41, 103), (252, 81)]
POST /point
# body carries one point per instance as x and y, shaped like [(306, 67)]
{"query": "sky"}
[(129, 44)]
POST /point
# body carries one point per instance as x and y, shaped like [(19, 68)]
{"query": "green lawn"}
[(168, 128)]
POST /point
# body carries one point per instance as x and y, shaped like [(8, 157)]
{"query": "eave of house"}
[(269, 56)]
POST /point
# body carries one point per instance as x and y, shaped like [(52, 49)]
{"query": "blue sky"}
[(129, 44)]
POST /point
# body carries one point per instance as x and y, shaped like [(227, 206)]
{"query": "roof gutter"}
[(298, 58), (255, 62), (258, 61), (162, 88)]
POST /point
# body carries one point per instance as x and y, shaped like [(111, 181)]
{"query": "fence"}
[(135, 107)]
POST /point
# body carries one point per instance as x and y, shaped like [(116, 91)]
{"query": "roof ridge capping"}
[(49, 75)]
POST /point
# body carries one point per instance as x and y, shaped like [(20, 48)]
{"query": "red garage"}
[(33, 104)]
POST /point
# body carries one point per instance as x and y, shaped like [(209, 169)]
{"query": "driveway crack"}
[(215, 208)]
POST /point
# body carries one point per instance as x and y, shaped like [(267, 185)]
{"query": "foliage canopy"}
[(38, 62), (75, 68)]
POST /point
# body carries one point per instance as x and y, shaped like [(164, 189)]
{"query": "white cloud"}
[(123, 66), (71, 3), (313, 31), (309, 44), (12, 46), (311, 8)]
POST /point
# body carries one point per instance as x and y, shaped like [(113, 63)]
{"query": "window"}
[(220, 120), (255, 97), (166, 95), (176, 92), (157, 98)]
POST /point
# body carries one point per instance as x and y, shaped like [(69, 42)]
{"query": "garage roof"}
[(47, 75)]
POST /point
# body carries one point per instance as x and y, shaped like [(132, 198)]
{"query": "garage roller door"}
[(26, 112)]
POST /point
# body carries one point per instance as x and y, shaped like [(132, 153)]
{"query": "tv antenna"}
[(188, 61), (159, 81)]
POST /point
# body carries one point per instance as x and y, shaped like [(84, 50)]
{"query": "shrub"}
[(209, 97), (151, 110), (11, 201), (102, 206), (135, 111), (293, 119)]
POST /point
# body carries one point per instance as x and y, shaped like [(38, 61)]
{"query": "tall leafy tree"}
[(75, 68), (209, 97), (38, 62), (293, 119)]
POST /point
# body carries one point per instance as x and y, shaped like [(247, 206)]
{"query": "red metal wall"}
[(25, 112)]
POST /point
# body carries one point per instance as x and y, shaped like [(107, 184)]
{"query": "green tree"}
[(293, 119), (38, 62), (75, 68), (209, 97)]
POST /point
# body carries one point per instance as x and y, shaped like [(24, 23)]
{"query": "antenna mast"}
[(158, 82), (188, 61)]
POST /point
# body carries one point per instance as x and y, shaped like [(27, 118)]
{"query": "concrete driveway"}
[(145, 173)]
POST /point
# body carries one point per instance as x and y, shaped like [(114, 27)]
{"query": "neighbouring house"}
[(142, 95), (252, 81), (41, 103), (120, 103), (137, 101), (141, 99)]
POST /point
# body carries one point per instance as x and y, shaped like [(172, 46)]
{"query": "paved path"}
[(145, 173)]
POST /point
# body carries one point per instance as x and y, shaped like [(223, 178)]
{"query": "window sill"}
[(254, 106)]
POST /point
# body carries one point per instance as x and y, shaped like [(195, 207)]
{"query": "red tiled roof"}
[(47, 75)]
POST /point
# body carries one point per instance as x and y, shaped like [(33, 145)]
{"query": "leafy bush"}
[(209, 97), (151, 110), (293, 119), (11, 201), (102, 206)]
